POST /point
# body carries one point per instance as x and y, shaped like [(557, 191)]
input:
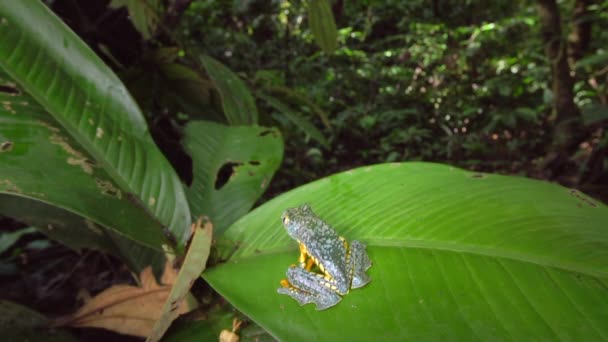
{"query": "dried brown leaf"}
[(127, 309)]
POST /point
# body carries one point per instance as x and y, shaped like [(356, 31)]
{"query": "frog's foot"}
[(297, 294), (361, 263), (308, 287)]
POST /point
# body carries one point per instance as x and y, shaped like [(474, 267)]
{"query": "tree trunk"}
[(580, 37), (567, 121)]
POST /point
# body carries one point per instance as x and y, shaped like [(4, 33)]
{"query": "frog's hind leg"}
[(360, 263), (308, 287), (295, 293)]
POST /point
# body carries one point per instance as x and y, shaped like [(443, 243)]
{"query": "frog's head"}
[(296, 220)]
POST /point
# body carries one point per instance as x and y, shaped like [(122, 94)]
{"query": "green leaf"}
[(296, 118), (85, 97), (456, 256), (41, 161), (78, 232), (194, 264), (298, 98), (323, 25), (144, 14), (239, 106), (72, 230), (594, 113), (209, 329), (249, 157), (599, 59), (19, 323)]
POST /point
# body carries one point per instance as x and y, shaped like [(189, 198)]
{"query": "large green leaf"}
[(456, 255), (44, 163), (296, 118), (19, 323), (323, 25), (77, 232), (237, 102), (249, 157), (85, 97)]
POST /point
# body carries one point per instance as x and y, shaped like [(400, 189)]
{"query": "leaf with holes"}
[(232, 168), (456, 256), (94, 120)]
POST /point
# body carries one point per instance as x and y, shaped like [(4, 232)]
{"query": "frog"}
[(338, 265)]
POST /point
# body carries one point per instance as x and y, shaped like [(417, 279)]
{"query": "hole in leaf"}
[(224, 174), (478, 175), (579, 196), (6, 146), (9, 90), (254, 162), (264, 133)]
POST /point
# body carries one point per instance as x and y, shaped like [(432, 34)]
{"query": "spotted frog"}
[(338, 266)]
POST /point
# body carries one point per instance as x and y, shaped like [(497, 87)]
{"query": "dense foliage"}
[(460, 82)]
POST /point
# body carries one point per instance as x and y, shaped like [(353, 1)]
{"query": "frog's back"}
[(328, 248)]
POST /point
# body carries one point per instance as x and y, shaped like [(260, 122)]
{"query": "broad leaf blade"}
[(79, 232), (44, 163), (296, 118), (19, 323), (89, 101), (250, 155), (456, 255), (323, 25), (297, 98), (239, 106)]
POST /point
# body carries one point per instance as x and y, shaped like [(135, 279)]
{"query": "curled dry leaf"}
[(231, 336), (127, 309)]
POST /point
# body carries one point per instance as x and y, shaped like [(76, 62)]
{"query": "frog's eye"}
[(285, 220)]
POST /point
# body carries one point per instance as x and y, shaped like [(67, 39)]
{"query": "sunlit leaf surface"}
[(456, 255), (90, 103)]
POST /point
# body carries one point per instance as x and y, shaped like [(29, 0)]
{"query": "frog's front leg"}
[(359, 263), (305, 260), (308, 287)]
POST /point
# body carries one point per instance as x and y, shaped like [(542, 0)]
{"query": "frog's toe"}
[(300, 296), (365, 262), (327, 301), (360, 280), (361, 261)]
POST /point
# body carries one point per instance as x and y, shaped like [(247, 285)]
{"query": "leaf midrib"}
[(443, 246)]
